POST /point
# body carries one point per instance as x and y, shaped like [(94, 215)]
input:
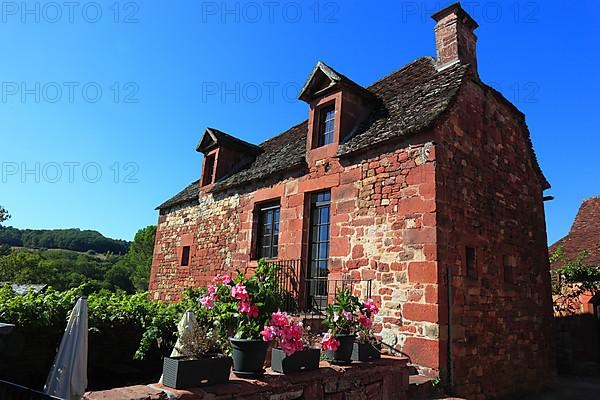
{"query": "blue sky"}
[(102, 103)]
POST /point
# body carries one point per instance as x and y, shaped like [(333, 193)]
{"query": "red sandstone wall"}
[(383, 227), (490, 197)]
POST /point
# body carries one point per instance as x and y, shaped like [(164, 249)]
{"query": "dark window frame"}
[(208, 175), (471, 262), (185, 256), (509, 265), (326, 124), (268, 216), (319, 248)]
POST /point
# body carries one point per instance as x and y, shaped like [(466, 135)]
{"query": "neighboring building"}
[(578, 321), (425, 183), (584, 234)]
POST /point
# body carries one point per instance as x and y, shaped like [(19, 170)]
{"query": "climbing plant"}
[(573, 279)]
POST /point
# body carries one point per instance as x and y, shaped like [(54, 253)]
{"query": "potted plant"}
[(240, 308), (294, 350), (366, 347), (341, 320), (201, 363)]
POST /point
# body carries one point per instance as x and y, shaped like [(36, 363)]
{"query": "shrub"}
[(126, 333)]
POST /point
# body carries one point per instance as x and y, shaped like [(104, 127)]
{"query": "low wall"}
[(385, 379)]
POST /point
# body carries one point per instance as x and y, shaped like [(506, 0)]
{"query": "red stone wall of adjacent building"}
[(489, 197), (383, 227)]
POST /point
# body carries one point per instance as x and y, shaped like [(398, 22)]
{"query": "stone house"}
[(424, 184), (578, 322)]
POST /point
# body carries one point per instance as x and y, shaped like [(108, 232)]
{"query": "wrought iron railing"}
[(310, 296), (12, 391)]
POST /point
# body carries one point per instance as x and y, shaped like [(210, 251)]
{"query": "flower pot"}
[(181, 372), (343, 355), (366, 352), (305, 360), (248, 357)]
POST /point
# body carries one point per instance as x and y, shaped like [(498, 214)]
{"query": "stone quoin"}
[(425, 182)]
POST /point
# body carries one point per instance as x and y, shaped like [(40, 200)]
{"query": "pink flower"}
[(244, 307), (268, 333), (348, 315), (330, 342), (224, 279), (290, 346), (280, 319), (253, 312), (207, 302), (211, 290), (365, 321), (239, 292), (370, 306)]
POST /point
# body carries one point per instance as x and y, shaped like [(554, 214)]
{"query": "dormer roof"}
[(324, 79), (214, 138)]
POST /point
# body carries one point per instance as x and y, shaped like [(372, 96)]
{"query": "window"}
[(471, 262), (185, 256), (268, 231), (326, 125), (319, 249), (509, 263), (208, 174)]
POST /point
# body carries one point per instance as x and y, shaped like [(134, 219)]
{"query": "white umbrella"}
[(185, 327), (68, 377)]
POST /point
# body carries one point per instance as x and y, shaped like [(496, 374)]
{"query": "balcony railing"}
[(13, 391), (310, 296)]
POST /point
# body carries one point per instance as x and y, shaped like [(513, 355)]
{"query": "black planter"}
[(366, 352), (343, 355), (248, 357), (305, 360), (181, 373)]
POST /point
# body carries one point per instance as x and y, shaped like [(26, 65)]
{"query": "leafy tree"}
[(5, 250), (119, 277), (4, 215), (572, 279), (138, 259)]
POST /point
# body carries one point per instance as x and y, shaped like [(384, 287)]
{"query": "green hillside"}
[(67, 239)]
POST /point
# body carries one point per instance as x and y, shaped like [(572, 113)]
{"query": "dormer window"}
[(208, 173), (223, 155), (326, 125), (338, 107)]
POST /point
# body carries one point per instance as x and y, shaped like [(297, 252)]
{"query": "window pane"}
[(326, 126), (185, 256), (268, 231)]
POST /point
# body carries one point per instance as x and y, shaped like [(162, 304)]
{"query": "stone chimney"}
[(455, 40)]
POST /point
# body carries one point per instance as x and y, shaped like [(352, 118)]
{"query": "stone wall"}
[(489, 197), (386, 379), (209, 229)]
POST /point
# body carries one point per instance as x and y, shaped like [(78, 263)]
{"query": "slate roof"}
[(584, 233), (187, 195)]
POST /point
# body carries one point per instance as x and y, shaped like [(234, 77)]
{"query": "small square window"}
[(509, 263), (185, 256), (326, 125), (471, 262)]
